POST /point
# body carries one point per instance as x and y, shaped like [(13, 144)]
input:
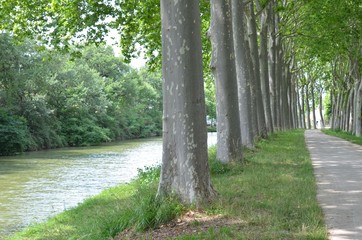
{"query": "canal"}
[(37, 185)]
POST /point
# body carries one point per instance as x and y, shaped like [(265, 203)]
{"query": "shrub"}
[(14, 134), (216, 166), (83, 132)]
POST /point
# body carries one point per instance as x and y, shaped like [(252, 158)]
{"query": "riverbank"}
[(271, 196)]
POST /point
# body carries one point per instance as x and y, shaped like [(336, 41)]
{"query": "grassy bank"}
[(271, 196), (344, 135)]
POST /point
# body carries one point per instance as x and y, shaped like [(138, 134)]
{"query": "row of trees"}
[(270, 60), (271, 63), (256, 88), (327, 45), (49, 101)]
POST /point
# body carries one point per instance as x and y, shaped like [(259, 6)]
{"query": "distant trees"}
[(14, 134), (327, 44), (59, 102)]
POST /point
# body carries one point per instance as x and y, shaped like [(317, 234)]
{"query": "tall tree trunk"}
[(303, 107), (264, 68), (338, 111), (290, 97), (229, 144), (333, 106), (294, 104), (321, 108), (254, 112), (313, 105), (299, 114), (307, 105), (284, 102), (185, 169), (253, 42), (343, 113), (278, 75), (355, 98), (350, 129), (349, 101), (358, 110), (272, 67), (242, 73)]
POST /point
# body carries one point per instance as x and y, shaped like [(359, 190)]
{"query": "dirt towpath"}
[(338, 169)]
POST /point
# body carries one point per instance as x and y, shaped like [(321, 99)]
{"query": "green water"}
[(37, 185)]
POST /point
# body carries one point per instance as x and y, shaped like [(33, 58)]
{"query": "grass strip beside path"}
[(344, 135), (271, 196)]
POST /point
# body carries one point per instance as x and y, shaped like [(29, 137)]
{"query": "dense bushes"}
[(84, 132), (14, 133), (55, 101)]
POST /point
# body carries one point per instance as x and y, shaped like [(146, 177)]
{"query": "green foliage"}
[(83, 132), (43, 125), (210, 98), (211, 128), (328, 108), (216, 166), (151, 211), (99, 87), (14, 134), (148, 175), (322, 31), (141, 26), (77, 102)]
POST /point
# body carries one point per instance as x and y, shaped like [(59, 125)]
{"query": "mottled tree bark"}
[(294, 104), (303, 107), (313, 105), (278, 76), (334, 106), (264, 67), (229, 146), (242, 73), (272, 67), (185, 170), (307, 105), (358, 110), (321, 108), (352, 104), (349, 104), (254, 112), (290, 102), (253, 42), (338, 111), (284, 103)]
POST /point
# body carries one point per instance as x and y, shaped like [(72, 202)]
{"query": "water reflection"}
[(38, 185)]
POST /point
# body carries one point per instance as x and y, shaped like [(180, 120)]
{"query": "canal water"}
[(38, 185)]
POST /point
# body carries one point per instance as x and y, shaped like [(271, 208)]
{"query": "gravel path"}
[(338, 169)]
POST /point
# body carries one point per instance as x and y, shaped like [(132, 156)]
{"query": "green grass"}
[(345, 135), (272, 195)]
